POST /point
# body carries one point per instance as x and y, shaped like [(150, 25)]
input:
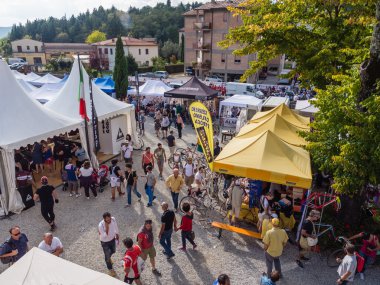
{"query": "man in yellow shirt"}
[(274, 241), (174, 182)]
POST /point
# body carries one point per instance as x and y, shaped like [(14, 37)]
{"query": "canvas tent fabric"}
[(47, 78), (266, 157), (154, 88), (278, 125), (38, 267), (28, 88), (47, 92), (18, 75), (31, 76), (242, 101), (306, 107), (193, 89), (274, 101), (106, 84), (286, 113)]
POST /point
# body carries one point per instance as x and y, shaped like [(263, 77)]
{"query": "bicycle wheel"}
[(331, 259), (139, 144), (195, 206)]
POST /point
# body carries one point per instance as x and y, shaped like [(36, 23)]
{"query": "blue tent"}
[(106, 84)]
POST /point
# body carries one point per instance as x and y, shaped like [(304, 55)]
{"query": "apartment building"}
[(37, 53), (207, 25), (143, 50)]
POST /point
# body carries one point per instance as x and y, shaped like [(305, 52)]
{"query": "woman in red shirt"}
[(147, 159), (186, 227)]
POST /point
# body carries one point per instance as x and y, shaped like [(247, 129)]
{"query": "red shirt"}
[(130, 261), (145, 243), (187, 223), (148, 158)]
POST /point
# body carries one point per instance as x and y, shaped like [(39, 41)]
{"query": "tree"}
[(325, 38), (120, 71), (62, 38), (131, 64), (168, 49), (5, 47), (96, 36), (158, 63)]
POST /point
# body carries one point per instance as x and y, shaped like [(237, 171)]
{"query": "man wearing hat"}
[(274, 241), (47, 195)]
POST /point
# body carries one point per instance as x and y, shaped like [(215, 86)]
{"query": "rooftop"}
[(213, 5), (127, 41), (67, 46)]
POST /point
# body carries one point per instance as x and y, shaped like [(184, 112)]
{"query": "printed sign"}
[(120, 135), (229, 122)]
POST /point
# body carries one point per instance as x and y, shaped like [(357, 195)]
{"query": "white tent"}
[(22, 121), (31, 76), (154, 88), (305, 107), (274, 101), (18, 75), (28, 88), (47, 92), (242, 101), (47, 78), (38, 267)]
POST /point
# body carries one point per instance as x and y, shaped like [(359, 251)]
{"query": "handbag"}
[(312, 241)]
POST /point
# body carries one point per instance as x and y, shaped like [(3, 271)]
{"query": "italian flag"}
[(82, 102)]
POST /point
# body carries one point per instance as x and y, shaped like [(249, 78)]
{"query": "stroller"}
[(100, 178)]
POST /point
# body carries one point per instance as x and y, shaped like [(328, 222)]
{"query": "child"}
[(270, 280), (186, 227)]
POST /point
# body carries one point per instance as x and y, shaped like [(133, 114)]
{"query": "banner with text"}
[(203, 126)]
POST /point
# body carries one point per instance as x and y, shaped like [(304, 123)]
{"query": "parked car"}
[(175, 84), (189, 71), (213, 78), (284, 81), (13, 60), (16, 66), (147, 74), (161, 74)]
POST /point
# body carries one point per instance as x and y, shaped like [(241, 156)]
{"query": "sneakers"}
[(361, 276), (194, 246), (170, 256), (139, 200), (52, 227), (149, 205), (71, 195), (88, 198), (156, 272), (299, 263), (126, 205), (182, 248), (112, 273), (78, 195)]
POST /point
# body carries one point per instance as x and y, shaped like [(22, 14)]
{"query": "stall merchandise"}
[(268, 158), (41, 267), (193, 89), (278, 125), (240, 101), (285, 112)]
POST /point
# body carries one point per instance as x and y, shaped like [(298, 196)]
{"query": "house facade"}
[(204, 27), (143, 50)]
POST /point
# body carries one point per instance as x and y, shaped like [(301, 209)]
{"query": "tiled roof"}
[(213, 5), (127, 41), (67, 46)]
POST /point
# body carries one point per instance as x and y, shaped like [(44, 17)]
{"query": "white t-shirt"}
[(189, 170), (349, 263), (86, 172), (127, 151), (50, 248), (198, 176)]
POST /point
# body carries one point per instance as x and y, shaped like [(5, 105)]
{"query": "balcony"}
[(202, 26), (205, 65), (199, 46)]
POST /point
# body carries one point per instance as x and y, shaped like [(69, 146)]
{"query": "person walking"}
[(72, 178), (347, 267), (175, 182), (236, 195), (147, 159), (164, 125), (47, 196), (126, 152), (108, 235), (142, 120), (168, 221), (149, 186), (160, 156), (86, 179), (308, 231), (37, 156), (51, 244), (180, 125), (131, 184), (274, 242), (189, 172), (131, 266), (171, 143), (145, 241), (115, 176), (186, 227), (80, 154), (15, 247)]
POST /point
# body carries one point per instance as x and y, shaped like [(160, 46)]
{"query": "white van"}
[(16, 60), (233, 88)]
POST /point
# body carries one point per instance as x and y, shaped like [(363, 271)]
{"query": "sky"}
[(18, 11)]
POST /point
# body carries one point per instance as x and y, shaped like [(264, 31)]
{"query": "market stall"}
[(47, 78), (306, 108), (193, 89), (47, 92), (106, 84)]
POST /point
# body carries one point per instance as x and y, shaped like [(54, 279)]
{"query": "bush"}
[(144, 69)]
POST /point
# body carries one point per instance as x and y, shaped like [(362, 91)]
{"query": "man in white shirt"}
[(189, 170), (127, 150), (109, 235), (199, 179), (347, 267), (51, 244)]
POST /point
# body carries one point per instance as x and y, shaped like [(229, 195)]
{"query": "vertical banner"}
[(94, 121), (203, 126)]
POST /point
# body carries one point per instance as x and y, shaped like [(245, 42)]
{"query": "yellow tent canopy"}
[(284, 112), (278, 125), (266, 157)]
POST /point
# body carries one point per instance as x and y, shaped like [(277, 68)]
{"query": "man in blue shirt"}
[(274, 277), (223, 279), (16, 246)]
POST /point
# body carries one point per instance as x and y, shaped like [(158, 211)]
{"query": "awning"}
[(193, 89)]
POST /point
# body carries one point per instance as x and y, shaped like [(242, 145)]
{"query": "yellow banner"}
[(203, 126)]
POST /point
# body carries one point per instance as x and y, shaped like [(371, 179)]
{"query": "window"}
[(147, 63), (146, 51), (237, 59), (105, 50), (36, 48), (37, 61), (19, 48), (28, 47), (111, 51), (223, 57), (100, 51), (225, 17), (139, 51)]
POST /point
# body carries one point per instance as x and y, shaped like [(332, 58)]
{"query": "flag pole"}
[(85, 118)]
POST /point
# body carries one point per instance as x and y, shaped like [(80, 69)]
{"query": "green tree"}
[(5, 47), (158, 63), (168, 49), (131, 64), (96, 36), (62, 38), (120, 71)]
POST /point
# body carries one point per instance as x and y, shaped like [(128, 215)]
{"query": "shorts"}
[(189, 180), (235, 211), (130, 280), (115, 182), (172, 149), (149, 252), (127, 160), (164, 128), (160, 162), (73, 186)]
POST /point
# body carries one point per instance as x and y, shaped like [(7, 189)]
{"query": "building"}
[(143, 50), (207, 25), (38, 53)]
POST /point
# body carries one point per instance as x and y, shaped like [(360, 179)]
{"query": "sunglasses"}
[(17, 234)]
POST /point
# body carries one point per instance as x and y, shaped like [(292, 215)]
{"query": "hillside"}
[(4, 31)]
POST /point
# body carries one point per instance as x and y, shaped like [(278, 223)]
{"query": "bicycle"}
[(334, 258), (139, 144)]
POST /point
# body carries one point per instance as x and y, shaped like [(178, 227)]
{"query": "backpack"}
[(8, 259)]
